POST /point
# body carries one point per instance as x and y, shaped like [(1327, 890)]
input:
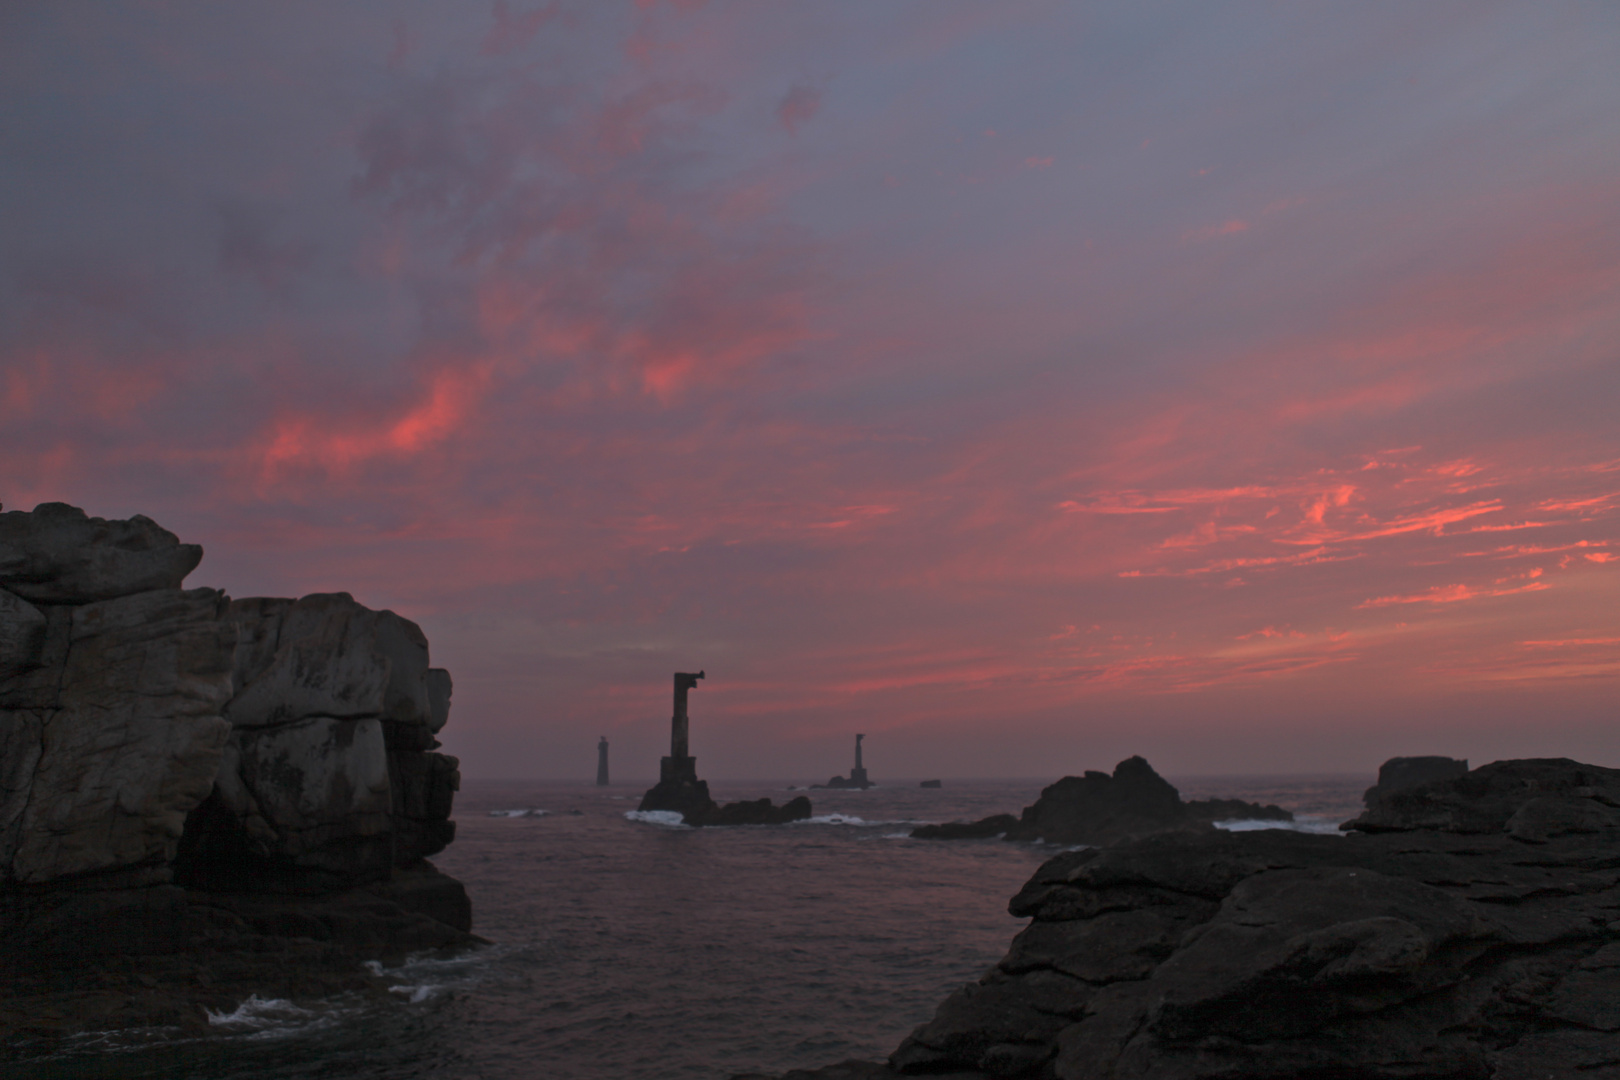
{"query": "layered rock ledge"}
[(1464, 928), (201, 797)]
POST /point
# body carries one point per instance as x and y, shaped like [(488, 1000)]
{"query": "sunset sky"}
[(1023, 384)]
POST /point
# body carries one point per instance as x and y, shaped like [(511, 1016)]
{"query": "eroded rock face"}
[(330, 775), (278, 751), (1475, 932), (113, 734)]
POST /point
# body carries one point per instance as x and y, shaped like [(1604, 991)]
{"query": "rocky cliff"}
[(1464, 928), (184, 775)]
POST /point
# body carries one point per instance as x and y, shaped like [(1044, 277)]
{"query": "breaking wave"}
[(669, 819), (1320, 826)]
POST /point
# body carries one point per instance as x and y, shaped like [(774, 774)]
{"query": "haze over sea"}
[(629, 949)]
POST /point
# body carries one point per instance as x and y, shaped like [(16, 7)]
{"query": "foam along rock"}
[(22, 634), (316, 792), (58, 555), (326, 655), (115, 736)]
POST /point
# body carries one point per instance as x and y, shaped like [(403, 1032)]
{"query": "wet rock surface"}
[(1101, 809), (225, 797), (1464, 928)]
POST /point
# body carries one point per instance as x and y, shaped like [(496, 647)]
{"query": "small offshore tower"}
[(601, 763)]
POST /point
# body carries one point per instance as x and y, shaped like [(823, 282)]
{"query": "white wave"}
[(669, 819), (835, 819), (416, 994), (517, 813), (851, 819), (260, 1014), (1303, 825)]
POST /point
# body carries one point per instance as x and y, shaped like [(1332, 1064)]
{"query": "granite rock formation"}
[(181, 773), (1464, 928), (1403, 772), (1101, 809)]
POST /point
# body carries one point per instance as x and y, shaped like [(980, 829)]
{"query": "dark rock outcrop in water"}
[(1235, 810), (1465, 928), (691, 800), (1101, 809), (1399, 773), (210, 797)]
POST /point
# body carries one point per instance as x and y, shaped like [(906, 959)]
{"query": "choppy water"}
[(633, 949)]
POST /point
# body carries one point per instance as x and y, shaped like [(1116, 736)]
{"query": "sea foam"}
[(669, 819), (1304, 825)]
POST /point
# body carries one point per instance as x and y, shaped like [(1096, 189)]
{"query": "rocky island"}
[(1464, 927), (1101, 809), (204, 798)]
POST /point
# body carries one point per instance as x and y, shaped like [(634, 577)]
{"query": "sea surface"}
[(629, 948)]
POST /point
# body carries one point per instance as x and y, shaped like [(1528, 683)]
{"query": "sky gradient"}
[(1024, 384)]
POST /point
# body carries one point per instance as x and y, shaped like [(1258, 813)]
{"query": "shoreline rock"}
[(198, 789), (1399, 773), (1465, 927)]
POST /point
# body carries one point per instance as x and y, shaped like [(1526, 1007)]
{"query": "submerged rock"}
[(1101, 809), (183, 775), (1464, 928)]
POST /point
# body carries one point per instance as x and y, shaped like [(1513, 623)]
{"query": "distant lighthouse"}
[(601, 763)]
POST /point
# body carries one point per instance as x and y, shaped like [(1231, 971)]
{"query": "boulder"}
[(58, 555), (1404, 772)]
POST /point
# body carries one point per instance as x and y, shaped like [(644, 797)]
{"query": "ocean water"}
[(629, 946)]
